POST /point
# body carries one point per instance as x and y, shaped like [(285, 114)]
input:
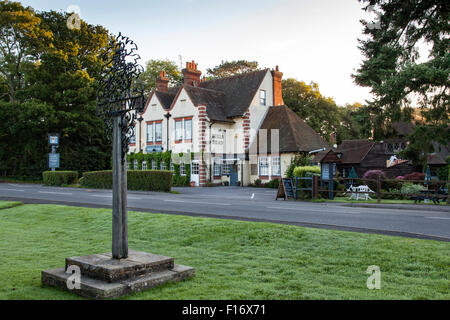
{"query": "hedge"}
[(302, 172), (150, 180), (58, 178)]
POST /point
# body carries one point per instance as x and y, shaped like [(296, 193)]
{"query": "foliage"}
[(371, 175), (232, 68), (152, 71), (298, 160), (59, 178), (301, 172), (163, 157), (400, 77), (150, 180), (415, 176), (274, 184), (410, 188)]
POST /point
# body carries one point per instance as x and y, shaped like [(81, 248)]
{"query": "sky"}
[(310, 40)]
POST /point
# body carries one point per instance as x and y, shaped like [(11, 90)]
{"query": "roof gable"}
[(354, 151)]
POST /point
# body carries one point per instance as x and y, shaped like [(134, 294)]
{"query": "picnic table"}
[(360, 192), (430, 195)]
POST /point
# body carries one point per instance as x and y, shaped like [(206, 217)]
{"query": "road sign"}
[(53, 139), (53, 160)]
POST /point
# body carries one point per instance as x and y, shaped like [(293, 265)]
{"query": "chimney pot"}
[(191, 75)]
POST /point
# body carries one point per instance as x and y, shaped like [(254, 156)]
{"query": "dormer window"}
[(262, 97)]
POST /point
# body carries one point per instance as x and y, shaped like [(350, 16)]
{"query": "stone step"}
[(104, 267), (98, 289)]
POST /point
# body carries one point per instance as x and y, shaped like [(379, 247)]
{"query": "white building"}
[(238, 127)]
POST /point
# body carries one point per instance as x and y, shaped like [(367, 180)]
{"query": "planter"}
[(193, 184)]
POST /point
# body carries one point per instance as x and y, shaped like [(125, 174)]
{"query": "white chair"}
[(363, 191)]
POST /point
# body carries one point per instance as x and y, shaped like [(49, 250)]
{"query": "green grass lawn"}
[(233, 259), (9, 204)]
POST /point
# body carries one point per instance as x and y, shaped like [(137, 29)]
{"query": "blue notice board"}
[(151, 149), (53, 160)]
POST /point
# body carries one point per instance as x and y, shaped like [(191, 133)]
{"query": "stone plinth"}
[(103, 277)]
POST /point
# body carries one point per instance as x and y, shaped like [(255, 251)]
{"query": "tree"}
[(320, 112), (152, 71), (399, 77), (20, 37), (232, 68), (356, 122)]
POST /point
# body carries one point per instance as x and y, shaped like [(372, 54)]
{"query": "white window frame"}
[(182, 170), (195, 168), (217, 169), (163, 166), (158, 131), (263, 97), (276, 166), (135, 165), (150, 133), (154, 165), (187, 133), (171, 168), (144, 165), (226, 169), (179, 130), (263, 166)]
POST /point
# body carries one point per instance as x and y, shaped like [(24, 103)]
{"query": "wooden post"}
[(119, 221), (378, 189), (315, 187)]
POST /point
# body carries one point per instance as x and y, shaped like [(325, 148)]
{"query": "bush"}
[(151, 180), (299, 160), (274, 184), (58, 178), (415, 176), (373, 175), (410, 188), (304, 171)]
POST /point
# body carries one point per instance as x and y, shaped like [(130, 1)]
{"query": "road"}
[(253, 204)]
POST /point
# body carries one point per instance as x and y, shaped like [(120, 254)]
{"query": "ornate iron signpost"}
[(119, 99)]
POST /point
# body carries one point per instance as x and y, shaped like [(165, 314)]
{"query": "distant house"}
[(365, 155)]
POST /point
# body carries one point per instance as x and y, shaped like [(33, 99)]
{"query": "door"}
[(234, 175), (195, 172)]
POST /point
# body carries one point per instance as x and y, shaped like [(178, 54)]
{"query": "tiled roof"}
[(294, 135), (354, 151), (212, 99), (239, 90), (166, 99)]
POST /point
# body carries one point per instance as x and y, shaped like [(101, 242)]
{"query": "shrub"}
[(409, 188), (304, 171), (373, 175), (415, 176), (299, 160), (274, 184), (58, 178), (151, 180)]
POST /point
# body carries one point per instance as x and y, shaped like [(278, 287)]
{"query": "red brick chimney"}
[(277, 88), (191, 74), (162, 82)]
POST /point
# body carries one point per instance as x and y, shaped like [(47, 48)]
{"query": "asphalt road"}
[(253, 204)]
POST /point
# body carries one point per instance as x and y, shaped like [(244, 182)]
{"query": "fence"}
[(435, 190)]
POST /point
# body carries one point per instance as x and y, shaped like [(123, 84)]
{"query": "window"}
[(154, 165), (171, 166), (144, 165), (217, 169), (188, 129), (158, 132), (182, 170), (226, 169), (133, 138), (178, 130), (149, 132), (263, 166), (276, 166), (262, 97), (135, 165), (195, 169), (163, 166)]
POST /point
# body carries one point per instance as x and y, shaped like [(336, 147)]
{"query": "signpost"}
[(53, 158)]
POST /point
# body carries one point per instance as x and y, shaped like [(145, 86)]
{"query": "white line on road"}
[(101, 196), (195, 202), (14, 190), (303, 209), (441, 218), (60, 193)]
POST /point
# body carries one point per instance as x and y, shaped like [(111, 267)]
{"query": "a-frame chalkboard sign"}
[(285, 189)]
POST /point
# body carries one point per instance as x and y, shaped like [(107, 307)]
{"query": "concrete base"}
[(103, 277)]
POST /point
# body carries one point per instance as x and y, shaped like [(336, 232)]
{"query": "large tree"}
[(21, 37), (152, 71), (399, 76), (232, 68)]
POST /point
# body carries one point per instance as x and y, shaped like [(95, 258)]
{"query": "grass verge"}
[(233, 259), (9, 204)]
